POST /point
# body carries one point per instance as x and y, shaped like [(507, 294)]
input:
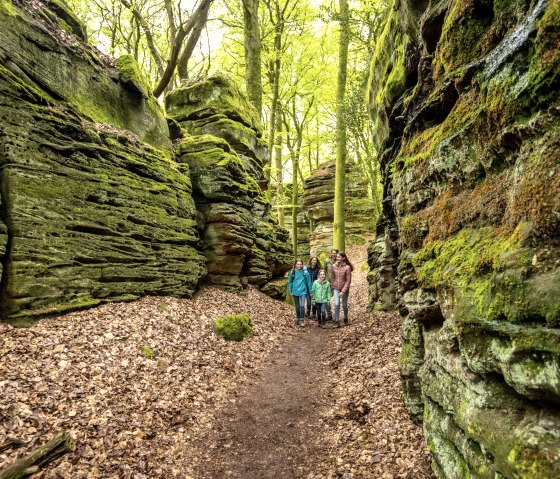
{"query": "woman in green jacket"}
[(321, 295)]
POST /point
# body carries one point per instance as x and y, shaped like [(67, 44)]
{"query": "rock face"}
[(465, 95), (93, 207), (319, 204), (222, 145)]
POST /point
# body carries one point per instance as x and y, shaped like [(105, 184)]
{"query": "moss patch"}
[(234, 327)]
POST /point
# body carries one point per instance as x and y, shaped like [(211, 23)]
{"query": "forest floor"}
[(148, 390)]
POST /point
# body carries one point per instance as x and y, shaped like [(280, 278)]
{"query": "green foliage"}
[(234, 327)]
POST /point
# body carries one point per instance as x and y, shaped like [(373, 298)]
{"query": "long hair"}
[(318, 262), (346, 260), (293, 271)]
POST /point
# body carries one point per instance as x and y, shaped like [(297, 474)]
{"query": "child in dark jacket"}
[(313, 268), (321, 297)]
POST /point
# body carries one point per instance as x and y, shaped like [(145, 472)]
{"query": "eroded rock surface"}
[(93, 207), (318, 201), (466, 99), (222, 145)]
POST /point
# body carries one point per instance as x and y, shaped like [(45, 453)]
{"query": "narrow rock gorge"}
[(465, 99)]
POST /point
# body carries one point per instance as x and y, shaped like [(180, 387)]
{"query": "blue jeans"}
[(337, 305), (299, 302), (321, 312)]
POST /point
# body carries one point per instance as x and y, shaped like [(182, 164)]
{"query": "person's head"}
[(342, 258), (334, 252), (322, 275), (313, 262), (298, 264)]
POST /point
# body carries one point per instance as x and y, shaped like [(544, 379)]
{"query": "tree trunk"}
[(182, 65), (275, 86), (279, 171), (294, 203), (57, 446), (182, 33), (252, 43), (340, 176)]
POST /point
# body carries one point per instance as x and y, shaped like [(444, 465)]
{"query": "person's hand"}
[(341, 294)]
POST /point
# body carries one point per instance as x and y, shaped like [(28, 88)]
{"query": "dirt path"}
[(274, 429), (326, 405)]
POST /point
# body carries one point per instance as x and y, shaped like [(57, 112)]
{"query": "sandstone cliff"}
[(221, 142), (318, 201), (465, 95), (92, 205)]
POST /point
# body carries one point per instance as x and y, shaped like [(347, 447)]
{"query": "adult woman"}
[(313, 268), (341, 279), (299, 286)]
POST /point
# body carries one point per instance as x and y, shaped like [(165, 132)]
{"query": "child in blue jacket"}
[(299, 286)]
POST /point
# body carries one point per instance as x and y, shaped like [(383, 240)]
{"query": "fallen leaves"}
[(132, 381)]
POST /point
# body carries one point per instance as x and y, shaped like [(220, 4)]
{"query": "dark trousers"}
[(321, 312), (328, 311)]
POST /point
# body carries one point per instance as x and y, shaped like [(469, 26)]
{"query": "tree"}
[(160, 34), (252, 44), (340, 175)]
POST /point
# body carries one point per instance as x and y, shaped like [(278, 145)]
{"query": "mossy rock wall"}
[(89, 212), (318, 202), (221, 142), (468, 247)]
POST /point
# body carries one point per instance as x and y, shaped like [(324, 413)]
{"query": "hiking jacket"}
[(299, 282), (341, 277), (321, 291), (313, 273)]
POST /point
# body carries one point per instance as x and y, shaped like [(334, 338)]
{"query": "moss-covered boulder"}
[(89, 212), (46, 51), (221, 142), (467, 246), (318, 201)]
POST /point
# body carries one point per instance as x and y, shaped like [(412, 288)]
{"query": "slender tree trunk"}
[(252, 43), (278, 31), (182, 64), (340, 176), (294, 204), (182, 33), (279, 171)]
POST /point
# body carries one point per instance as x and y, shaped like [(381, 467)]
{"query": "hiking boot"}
[(302, 323), (345, 321), (337, 324)]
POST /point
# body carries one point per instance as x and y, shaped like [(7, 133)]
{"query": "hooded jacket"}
[(321, 291), (299, 282)]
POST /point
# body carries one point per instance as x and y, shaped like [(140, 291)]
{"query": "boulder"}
[(318, 201), (91, 212)]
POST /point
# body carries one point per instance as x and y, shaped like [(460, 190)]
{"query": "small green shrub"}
[(233, 327)]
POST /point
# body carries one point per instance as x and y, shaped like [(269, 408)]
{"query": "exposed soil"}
[(274, 430)]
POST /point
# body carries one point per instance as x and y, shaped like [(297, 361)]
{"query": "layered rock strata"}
[(92, 206), (319, 205), (222, 144), (465, 95)]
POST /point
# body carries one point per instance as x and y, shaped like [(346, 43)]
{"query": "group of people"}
[(314, 286)]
